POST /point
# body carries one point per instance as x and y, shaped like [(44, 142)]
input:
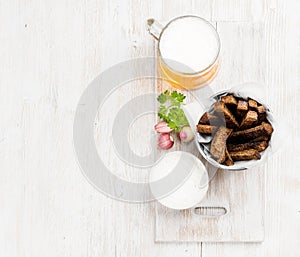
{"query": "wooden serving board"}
[(241, 193), (238, 194), (233, 210)]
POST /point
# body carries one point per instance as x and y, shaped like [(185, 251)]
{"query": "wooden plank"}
[(241, 192), (243, 223), (281, 74), (50, 51), (133, 231), (238, 10), (200, 8)]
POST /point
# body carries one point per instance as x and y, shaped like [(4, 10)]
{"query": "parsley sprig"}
[(170, 111)]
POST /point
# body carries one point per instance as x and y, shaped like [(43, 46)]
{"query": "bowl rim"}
[(215, 98), (202, 167)]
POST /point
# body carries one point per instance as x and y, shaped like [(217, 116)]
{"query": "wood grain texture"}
[(50, 51), (237, 10), (242, 192), (280, 73)]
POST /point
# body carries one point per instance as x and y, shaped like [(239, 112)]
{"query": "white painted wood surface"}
[(244, 221), (241, 192), (51, 50)]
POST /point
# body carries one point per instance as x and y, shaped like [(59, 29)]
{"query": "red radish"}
[(186, 134), (162, 127), (165, 141)]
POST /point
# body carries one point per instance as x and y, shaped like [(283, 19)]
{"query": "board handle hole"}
[(210, 211)]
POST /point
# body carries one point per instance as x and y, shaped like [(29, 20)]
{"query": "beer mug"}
[(188, 51)]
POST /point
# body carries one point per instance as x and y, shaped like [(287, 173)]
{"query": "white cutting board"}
[(241, 193)]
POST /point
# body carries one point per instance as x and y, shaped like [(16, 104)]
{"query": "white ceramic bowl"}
[(181, 180), (255, 91)]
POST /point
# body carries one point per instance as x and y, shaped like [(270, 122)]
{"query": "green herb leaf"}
[(177, 116), (172, 125), (163, 113), (162, 98), (180, 97), (167, 92), (170, 110)]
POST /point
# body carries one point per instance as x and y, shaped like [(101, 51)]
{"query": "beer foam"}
[(189, 44)]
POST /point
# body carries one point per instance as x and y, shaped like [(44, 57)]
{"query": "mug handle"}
[(154, 28)]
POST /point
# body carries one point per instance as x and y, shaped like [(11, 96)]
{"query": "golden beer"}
[(188, 51)]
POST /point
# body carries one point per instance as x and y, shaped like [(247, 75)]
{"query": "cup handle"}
[(154, 28)]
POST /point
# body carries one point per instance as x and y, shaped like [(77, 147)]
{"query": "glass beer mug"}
[(188, 51)]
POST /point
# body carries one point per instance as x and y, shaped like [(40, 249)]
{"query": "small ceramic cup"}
[(179, 180)]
